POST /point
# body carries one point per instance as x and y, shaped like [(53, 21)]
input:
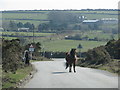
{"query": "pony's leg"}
[(74, 67), (70, 68), (66, 65)]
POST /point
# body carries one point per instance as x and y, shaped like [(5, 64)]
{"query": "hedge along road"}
[(52, 74)]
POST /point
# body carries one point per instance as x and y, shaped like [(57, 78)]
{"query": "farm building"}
[(109, 20), (23, 29), (90, 21)]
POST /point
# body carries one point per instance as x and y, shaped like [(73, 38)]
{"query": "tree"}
[(94, 26), (77, 27), (43, 26), (5, 25), (20, 25), (13, 25), (29, 25), (59, 18)]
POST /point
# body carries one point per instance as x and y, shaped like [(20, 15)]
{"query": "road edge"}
[(24, 81)]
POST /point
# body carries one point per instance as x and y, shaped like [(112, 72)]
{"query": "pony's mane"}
[(72, 53)]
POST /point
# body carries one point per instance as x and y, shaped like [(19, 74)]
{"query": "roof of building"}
[(90, 21)]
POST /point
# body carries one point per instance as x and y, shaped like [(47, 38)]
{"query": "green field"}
[(99, 34), (24, 15), (90, 34), (114, 12), (66, 45), (27, 33)]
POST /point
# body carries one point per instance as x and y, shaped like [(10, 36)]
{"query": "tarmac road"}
[(52, 74)]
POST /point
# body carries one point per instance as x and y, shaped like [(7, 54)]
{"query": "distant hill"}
[(41, 16)]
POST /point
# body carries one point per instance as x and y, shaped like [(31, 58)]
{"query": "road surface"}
[(52, 74)]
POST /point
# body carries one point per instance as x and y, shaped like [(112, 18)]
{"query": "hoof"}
[(70, 71)]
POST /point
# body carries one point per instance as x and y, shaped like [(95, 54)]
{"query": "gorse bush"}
[(103, 54), (98, 56), (113, 47), (105, 57), (11, 55)]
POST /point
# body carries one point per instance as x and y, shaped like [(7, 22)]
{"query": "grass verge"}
[(112, 66), (11, 80)]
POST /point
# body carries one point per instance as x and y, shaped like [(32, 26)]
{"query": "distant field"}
[(53, 43), (17, 34), (39, 16), (24, 15), (113, 12), (99, 34), (66, 45), (27, 33)]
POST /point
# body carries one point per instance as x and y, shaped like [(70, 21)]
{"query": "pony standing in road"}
[(71, 59)]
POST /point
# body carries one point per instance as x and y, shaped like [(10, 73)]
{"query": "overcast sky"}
[(57, 4)]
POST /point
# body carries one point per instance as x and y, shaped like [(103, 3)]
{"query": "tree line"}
[(12, 25)]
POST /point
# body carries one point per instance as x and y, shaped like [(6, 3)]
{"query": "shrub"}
[(11, 55), (98, 56)]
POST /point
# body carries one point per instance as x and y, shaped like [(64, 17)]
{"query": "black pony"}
[(71, 59)]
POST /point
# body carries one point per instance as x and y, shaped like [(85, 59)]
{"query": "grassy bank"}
[(112, 66), (11, 80)]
